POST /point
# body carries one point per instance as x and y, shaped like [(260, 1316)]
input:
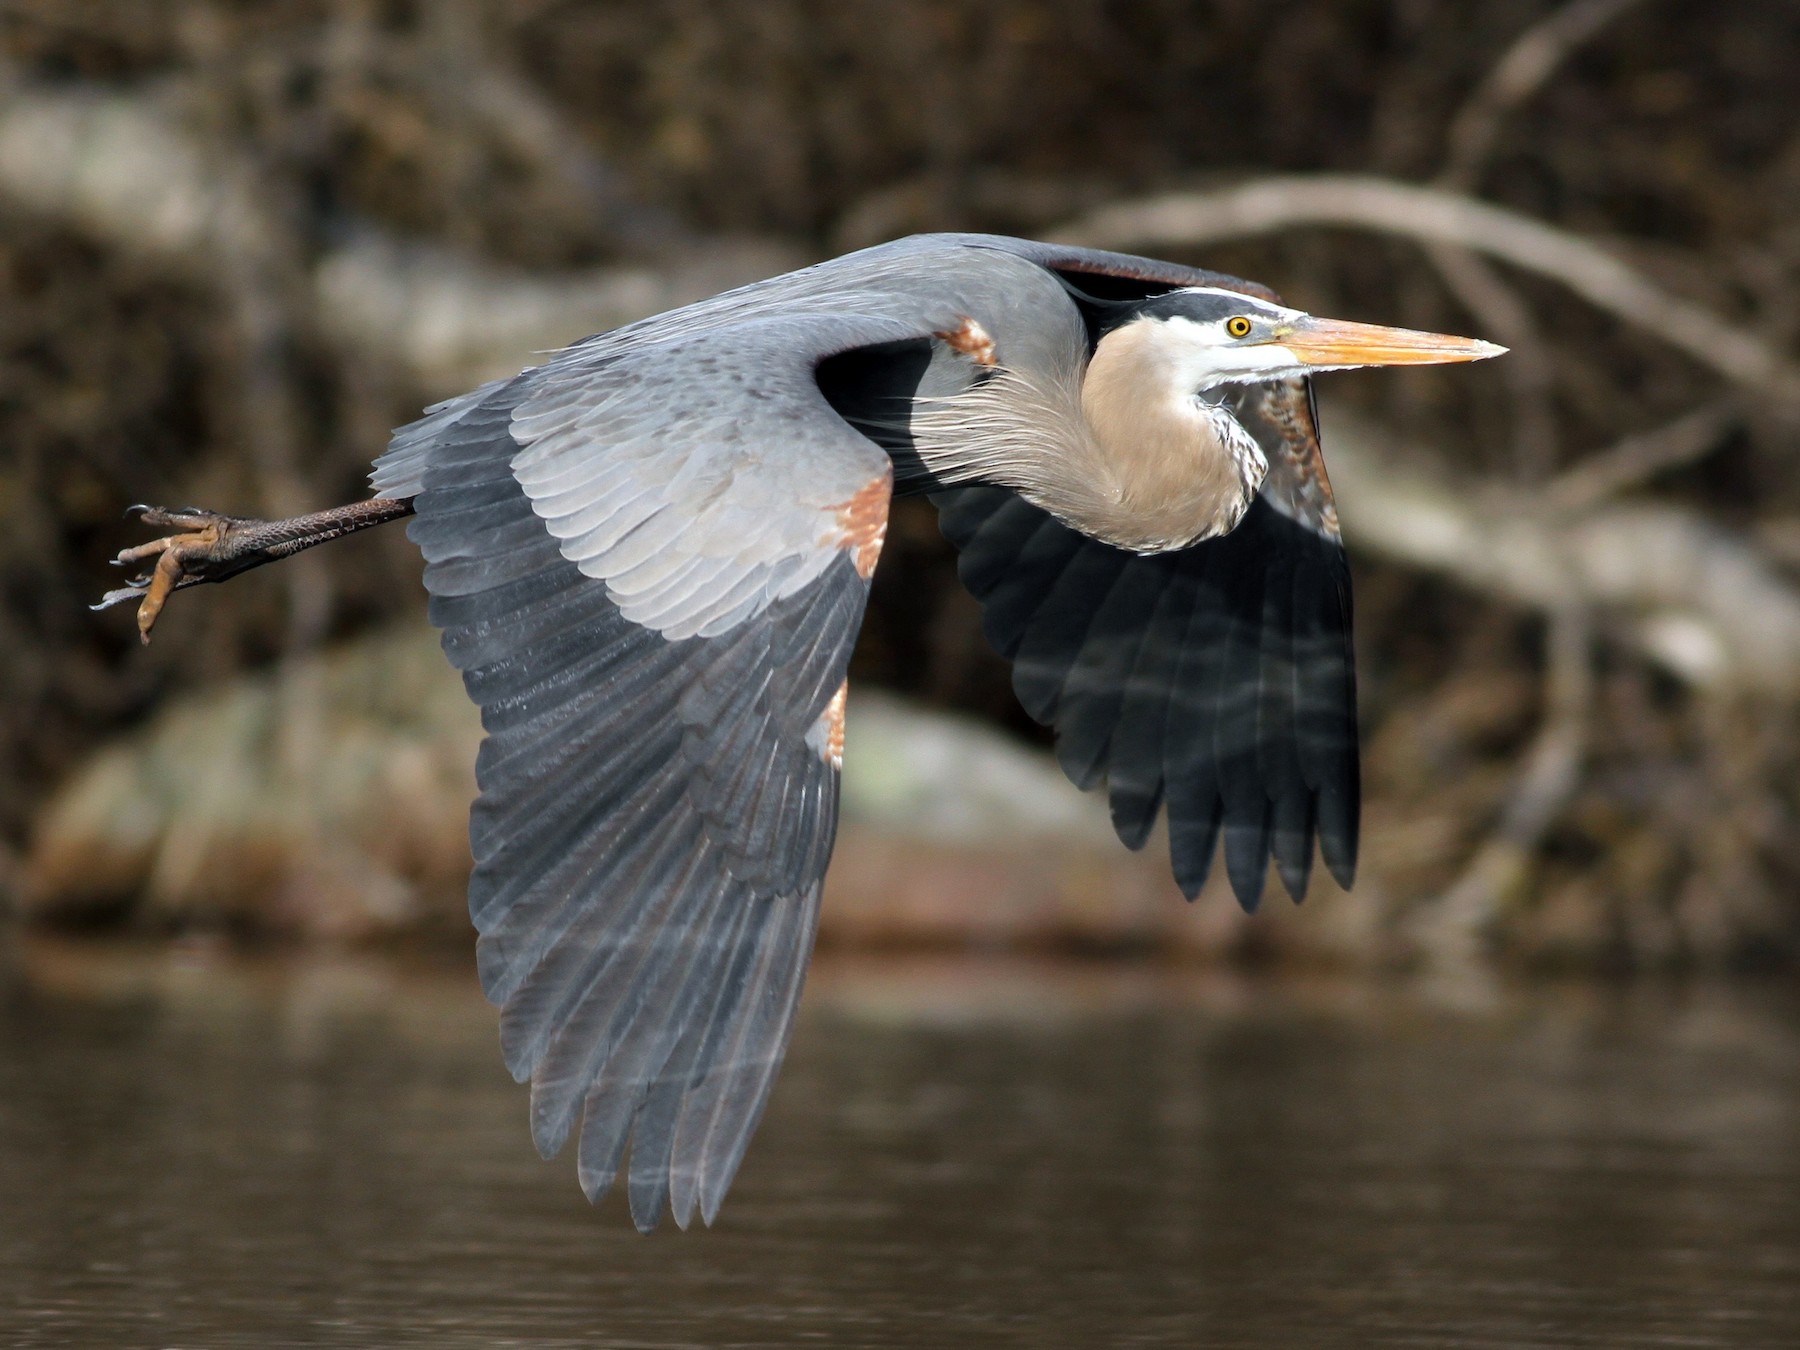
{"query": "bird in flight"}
[(649, 557)]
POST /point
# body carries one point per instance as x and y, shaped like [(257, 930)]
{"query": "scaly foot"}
[(216, 547), (213, 548)]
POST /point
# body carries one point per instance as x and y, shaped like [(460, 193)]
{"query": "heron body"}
[(650, 555)]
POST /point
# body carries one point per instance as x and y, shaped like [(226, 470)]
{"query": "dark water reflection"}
[(199, 1152)]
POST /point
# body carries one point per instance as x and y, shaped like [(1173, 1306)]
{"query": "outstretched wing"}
[(650, 565), (1218, 679), (650, 557)]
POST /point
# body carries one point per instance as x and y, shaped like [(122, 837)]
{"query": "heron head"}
[(1212, 336)]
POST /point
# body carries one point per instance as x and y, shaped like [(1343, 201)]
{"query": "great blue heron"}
[(649, 557)]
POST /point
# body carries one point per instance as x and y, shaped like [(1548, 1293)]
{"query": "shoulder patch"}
[(970, 339), (862, 523)]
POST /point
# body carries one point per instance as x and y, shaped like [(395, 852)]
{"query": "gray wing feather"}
[(400, 472), (656, 813), (615, 883), (692, 518)]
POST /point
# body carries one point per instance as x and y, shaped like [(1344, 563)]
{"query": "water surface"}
[(204, 1151)]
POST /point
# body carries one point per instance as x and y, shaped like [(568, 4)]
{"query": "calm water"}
[(196, 1151)]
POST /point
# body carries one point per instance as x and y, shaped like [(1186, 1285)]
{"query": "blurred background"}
[(1035, 1098), (239, 242)]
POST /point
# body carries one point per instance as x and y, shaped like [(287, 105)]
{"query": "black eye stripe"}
[(1206, 306)]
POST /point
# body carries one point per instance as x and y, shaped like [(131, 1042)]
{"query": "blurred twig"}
[(1524, 68), (1504, 316), (1629, 462), (471, 76), (1451, 932)]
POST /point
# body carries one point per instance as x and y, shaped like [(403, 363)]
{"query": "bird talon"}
[(180, 559), (133, 591), (210, 546)]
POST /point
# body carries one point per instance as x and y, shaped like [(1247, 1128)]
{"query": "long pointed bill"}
[(1336, 342)]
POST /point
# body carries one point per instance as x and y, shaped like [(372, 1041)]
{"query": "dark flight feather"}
[(1239, 705)]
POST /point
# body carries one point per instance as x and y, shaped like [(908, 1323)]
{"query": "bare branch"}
[(1694, 598), (1629, 462), (1453, 929), (1504, 316), (1524, 68), (1269, 205)]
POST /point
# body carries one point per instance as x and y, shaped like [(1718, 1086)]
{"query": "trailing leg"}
[(213, 547)]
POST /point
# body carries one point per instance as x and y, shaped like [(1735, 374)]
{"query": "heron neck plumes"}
[(1184, 466), (1126, 452)]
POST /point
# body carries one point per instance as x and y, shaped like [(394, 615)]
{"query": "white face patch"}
[(1205, 354)]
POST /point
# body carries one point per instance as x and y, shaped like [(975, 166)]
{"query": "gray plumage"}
[(650, 556)]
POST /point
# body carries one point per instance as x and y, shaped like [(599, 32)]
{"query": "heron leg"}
[(215, 547)]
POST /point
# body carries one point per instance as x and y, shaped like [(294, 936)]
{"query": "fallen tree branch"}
[(1694, 597), (1187, 219)]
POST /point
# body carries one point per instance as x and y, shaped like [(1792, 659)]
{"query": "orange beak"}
[(1335, 342)]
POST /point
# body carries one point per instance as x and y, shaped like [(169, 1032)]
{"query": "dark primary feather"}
[(1217, 678)]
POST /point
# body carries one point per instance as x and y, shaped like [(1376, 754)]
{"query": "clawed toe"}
[(180, 559), (150, 550), (213, 547), (133, 591), (184, 517)]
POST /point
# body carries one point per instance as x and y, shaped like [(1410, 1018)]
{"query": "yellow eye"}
[(1238, 326)]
